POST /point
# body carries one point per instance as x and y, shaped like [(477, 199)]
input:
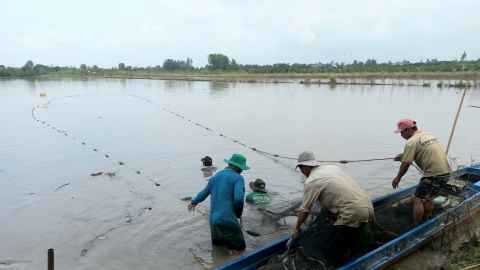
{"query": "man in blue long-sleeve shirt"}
[(227, 189)]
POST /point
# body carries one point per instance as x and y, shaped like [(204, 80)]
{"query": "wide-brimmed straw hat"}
[(239, 161)]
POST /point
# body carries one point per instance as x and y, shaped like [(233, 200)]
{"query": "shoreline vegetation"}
[(440, 79), (455, 73)]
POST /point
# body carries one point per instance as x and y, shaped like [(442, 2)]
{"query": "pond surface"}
[(147, 226)]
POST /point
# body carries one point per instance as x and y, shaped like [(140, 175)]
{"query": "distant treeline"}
[(219, 63)]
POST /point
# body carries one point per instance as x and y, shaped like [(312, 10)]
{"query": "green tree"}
[(28, 66), (83, 67), (121, 66), (234, 66), (172, 65), (95, 67), (218, 61), (464, 55)]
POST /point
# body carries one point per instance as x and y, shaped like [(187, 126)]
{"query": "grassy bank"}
[(440, 79)]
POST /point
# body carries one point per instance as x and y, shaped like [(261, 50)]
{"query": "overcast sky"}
[(142, 33)]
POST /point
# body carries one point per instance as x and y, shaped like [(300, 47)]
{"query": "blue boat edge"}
[(392, 251)]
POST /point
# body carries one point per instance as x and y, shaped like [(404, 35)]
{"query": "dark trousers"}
[(339, 241)]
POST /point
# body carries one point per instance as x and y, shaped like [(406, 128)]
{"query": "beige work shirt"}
[(339, 193), (428, 154)]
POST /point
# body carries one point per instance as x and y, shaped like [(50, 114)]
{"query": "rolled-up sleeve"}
[(310, 196)]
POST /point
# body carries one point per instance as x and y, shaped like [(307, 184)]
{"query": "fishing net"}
[(307, 251), (273, 218), (373, 176)]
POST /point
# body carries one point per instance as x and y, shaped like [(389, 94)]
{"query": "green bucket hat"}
[(239, 161), (258, 185)]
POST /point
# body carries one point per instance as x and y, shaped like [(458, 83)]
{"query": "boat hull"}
[(395, 250)]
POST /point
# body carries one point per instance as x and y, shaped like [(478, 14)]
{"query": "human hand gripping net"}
[(307, 251)]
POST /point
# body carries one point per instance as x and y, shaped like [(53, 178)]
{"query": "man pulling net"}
[(428, 154), (337, 191)]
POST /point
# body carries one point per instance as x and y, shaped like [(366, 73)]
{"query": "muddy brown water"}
[(152, 228)]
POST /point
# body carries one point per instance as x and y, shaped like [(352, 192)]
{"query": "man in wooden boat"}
[(337, 191), (227, 190), (428, 154)]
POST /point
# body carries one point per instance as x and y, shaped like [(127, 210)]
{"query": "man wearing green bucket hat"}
[(259, 196), (227, 190)]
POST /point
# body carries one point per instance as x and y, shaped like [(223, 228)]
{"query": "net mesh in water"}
[(307, 251), (374, 177)]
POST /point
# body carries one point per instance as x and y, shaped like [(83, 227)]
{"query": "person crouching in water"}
[(337, 191), (259, 196), (227, 190)]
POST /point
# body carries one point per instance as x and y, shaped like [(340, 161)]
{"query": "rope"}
[(220, 134), (325, 161), (96, 149)]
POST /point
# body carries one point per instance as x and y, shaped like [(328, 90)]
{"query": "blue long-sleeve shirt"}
[(227, 189)]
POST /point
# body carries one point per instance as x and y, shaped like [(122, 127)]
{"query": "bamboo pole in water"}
[(50, 259), (456, 117)]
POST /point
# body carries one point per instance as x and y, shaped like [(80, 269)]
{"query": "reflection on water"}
[(208, 171), (346, 122)]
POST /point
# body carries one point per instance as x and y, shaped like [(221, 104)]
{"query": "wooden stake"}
[(50, 259), (456, 117)]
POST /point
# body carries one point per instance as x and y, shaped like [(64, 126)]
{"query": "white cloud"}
[(46, 40), (300, 29), (381, 28), (256, 32)]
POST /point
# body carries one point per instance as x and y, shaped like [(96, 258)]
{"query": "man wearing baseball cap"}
[(337, 191), (428, 154), (227, 190), (208, 168)]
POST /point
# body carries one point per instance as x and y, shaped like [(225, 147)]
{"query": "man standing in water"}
[(227, 190), (208, 168), (335, 190), (428, 154)]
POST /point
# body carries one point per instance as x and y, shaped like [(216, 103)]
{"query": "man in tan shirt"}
[(337, 191), (428, 154)]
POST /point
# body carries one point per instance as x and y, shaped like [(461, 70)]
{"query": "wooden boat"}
[(393, 251)]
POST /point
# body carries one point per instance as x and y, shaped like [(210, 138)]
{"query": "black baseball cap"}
[(207, 160)]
